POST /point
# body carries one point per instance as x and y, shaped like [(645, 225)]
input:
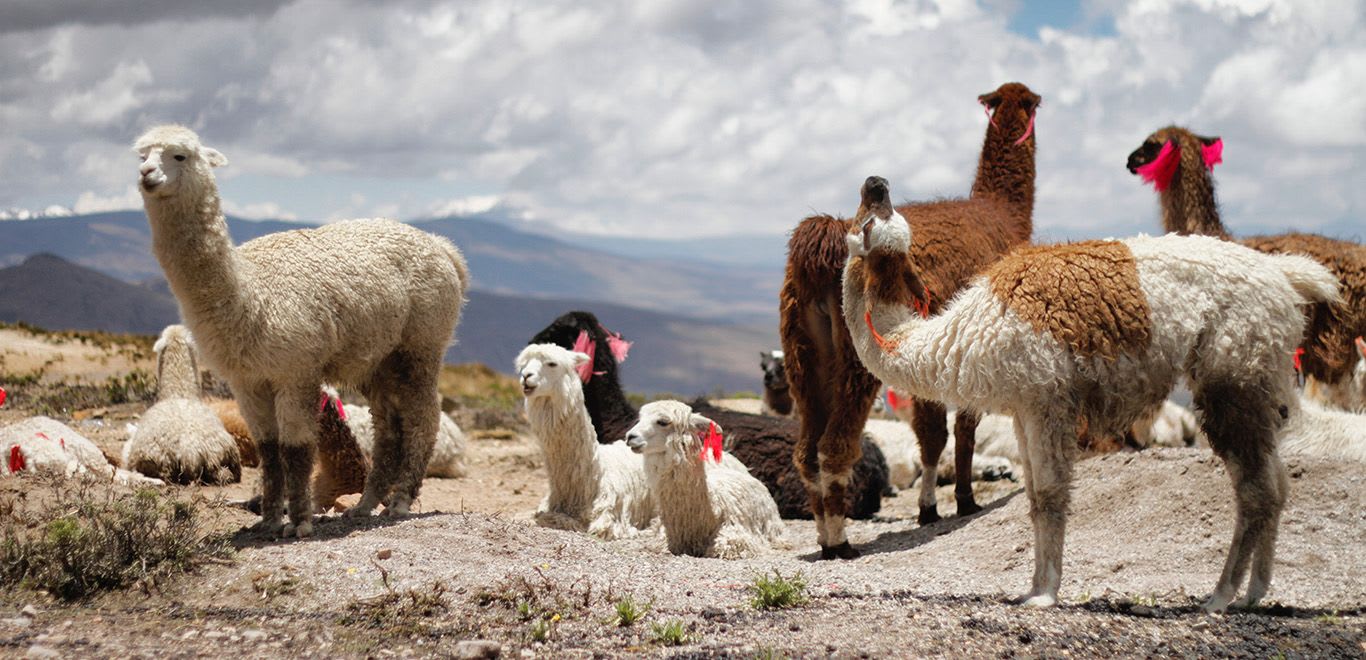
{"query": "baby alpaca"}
[(596, 488), (179, 438), (709, 509)]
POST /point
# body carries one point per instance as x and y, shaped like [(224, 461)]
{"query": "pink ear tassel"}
[(584, 345), (1213, 154), (1160, 171), (987, 109), (620, 347), (1028, 131)]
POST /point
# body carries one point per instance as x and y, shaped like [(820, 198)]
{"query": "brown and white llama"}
[(1180, 165), (954, 240), (1089, 336)]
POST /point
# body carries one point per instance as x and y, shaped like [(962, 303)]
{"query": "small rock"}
[(17, 622), (215, 634), (37, 651), (384, 553), (474, 649), (1200, 625), (254, 635), (29, 611), (1140, 610)]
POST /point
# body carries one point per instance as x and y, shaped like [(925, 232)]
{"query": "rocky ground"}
[(469, 573)]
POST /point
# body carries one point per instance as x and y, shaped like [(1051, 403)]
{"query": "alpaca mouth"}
[(528, 389)]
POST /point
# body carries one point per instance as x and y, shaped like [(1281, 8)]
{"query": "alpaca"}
[(777, 394), (42, 444), (342, 462), (179, 439), (1320, 431), (371, 303), (1089, 336), (600, 489), (1180, 166), (580, 331), (762, 443), (448, 452), (898, 443), (1349, 394), (955, 239), (707, 509), (230, 416)]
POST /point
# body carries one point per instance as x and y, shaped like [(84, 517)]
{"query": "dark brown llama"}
[(954, 239), (1180, 166), (777, 393)]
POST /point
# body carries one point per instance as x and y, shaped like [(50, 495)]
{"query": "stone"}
[(475, 649)]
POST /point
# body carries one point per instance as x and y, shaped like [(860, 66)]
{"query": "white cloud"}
[(92, 202), (462, 206), (258, 211)]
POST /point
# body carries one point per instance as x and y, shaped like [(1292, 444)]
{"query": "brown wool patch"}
[(1086, 295)]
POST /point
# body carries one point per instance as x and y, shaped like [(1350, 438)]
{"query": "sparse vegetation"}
[(669, 633), (543, 599), (628, 611), (479, 386), (92, 538), (399, 613), (777, 592), (134, 386)]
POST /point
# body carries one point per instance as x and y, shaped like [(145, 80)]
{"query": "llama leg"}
[(931, 430), (1051, 448), (384, 459), (841, 447), (297, 412), (258, 410), (964, 450), (1264, 552), (419, 416), (806, 456)]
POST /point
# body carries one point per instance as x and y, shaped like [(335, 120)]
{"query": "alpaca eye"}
[(180, 157), (662, 422), (552, 365)]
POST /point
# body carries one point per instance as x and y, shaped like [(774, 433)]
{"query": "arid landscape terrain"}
[(1147, 538)]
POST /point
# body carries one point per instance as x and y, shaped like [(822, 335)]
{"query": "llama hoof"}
[(1041, 600), (269, 528), (301, 531), (967, 506), (929, 514), (1215, 605), (841, 551)]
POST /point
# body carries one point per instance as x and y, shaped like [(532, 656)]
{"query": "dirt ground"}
[(1145, 543)]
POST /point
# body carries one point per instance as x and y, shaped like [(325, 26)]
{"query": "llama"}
[(371, 303), (179, 439), (955, 239), (448, 452), (1351, 395), (777, 394), (230, 416), (1180, 166), (42, 444), (764, 444), (600, 489), (898, 443), (1320, 431), (707, 509), (342, 462), (1089, 336)]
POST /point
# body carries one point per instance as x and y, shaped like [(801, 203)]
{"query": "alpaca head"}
[(775, 374), (172, 161), (548, 371), (1156, 160), (877, 226), (669, 428), (1011, 110)]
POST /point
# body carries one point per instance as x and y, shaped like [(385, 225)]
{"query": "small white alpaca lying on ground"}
[(709, 509), (902, 449), (596, 488), (42, 444), (448, 454), (1321, 431), (180, 439)]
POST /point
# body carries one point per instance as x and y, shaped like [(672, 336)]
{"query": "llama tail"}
[(1310, 279)]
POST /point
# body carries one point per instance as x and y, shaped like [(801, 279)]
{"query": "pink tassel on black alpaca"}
[(1160, 171)]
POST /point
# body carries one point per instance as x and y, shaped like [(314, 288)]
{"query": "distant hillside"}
[(502, 260), (51, 292), (672, 353)]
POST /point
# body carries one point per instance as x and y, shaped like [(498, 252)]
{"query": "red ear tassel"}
[(1298, 352), (2, 396), (16, 459), (711, 444)]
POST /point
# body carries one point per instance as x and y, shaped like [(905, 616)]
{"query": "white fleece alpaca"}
[(448, 452), (181, 439), (1227, 316), (600, 489), (42, 444), (1320, 431), (368, 303), (899, 445), (708, 509)]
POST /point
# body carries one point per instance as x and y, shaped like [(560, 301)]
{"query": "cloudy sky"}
[(684, 118)]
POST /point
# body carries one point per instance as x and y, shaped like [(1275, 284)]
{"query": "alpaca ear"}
[(580, 358), (764, 358), (213, 157), (1361, 347), (990, 99), (701, 423)]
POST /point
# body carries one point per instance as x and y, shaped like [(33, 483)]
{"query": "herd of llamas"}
[(892, 322)]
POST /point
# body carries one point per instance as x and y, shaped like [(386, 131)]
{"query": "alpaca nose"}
[(147, 167), (634, 441)]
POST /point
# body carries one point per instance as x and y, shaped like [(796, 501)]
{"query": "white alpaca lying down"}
[(448, 454), (898, 443), (709, 508), (41, 444), (1319, 431), (596, 488)]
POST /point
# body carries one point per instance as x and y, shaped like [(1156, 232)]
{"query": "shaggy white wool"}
[(600, 489), (1320, 431), (180, 438), (448, 453), (371, 303), (900, 446), (47, 445), (708, 509), (1349, 393), (1220, 313)]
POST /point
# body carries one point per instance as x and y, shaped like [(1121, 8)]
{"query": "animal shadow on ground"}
[(912, 538), (1119, 604), (325, 528)]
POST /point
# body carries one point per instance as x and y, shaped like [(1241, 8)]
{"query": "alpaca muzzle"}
[(635, 442)]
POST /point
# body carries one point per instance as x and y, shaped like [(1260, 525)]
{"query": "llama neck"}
[(177, 373), (190, 239), (1005, 170), (679, 485), (570, 447), (1188, 203), (924, 362)]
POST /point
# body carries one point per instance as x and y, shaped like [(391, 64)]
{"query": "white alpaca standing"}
[(596, 488), (42, 444), (448, 452), (1320, 431), (369, 303), (708, 509), (181, 439), (1100, 332)]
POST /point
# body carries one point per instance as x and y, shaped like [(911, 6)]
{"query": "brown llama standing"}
[(954, 239), (1180, 166)]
